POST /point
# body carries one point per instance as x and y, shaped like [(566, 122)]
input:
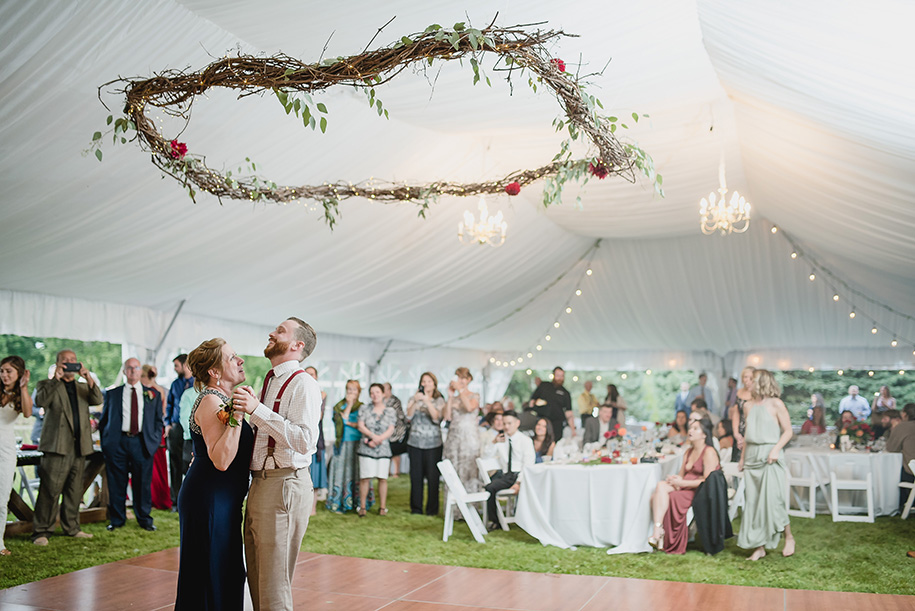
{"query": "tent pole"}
[(155, 352)]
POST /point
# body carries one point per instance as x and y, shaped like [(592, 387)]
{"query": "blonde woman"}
[(462, 446), (765, 515), (736, 414)]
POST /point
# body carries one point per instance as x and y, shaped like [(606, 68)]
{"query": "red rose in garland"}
[(179, 150), (599, 168), (513, 188), (560, 65)]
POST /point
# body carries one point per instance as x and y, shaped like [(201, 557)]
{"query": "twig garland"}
[(518, 50)]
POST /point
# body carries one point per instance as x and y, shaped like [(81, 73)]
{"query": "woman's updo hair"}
[(150, 372), (204, 357), (463, 372)]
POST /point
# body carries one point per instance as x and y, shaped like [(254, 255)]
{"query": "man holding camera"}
[(66, 441)]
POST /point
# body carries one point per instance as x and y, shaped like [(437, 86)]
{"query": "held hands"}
[(243, 399)]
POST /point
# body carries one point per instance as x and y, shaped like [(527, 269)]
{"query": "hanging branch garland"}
[(518, 50)]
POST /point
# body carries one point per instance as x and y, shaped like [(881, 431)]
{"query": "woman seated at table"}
[(677, 432), (491, 426), (816, 425), (674, 496), (725, 434), (543, 440)]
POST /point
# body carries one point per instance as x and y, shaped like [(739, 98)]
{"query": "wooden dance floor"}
[(334, 582)]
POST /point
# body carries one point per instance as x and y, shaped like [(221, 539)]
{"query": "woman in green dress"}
[(763, 463)]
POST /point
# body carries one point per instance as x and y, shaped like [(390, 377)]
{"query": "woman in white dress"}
[(462, 447), (14, 400)]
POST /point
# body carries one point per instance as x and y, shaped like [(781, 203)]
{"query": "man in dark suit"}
[(66, 441), (131, 428), (595, 428)]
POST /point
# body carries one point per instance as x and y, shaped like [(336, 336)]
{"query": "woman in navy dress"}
[(211, 573)]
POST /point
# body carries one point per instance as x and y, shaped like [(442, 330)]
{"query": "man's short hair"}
[(893, 414), (305, 334), (181, 358), (909, 411), (558, 368), (63, 352), (510, 414), (699, 403), (703, 375)]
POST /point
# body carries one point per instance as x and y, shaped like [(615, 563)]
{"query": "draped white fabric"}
[(809, 104)]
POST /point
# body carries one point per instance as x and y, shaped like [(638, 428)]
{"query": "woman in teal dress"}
[(343, 467), (763, 463)]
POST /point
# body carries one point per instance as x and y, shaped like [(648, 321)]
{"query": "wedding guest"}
[(211, 571), (680, 401), (318, 467), (616, 401), (14, 400), (698, 410), (596, 428), (736, 414), (161, 495), (175, 428), (902, 439), (677, 432), (399, 438), (673, 497), (462, 446), (884, 400), (66, 441), (817, 424), (343, 468), (884, 423), (491, 426), (514, 451), (587, 403), (543, 440), (551, 400), (702, 391), (725, 434), (855, 403), (816, 399), (131, 430), (731, 399), (376, 423), (424, 443), (765, 514), (846, 418)]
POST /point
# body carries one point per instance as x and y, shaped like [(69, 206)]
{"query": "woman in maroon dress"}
[(161, 493), (673, 497)]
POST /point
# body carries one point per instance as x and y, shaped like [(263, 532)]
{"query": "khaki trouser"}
[(60, 475), (276, 517)]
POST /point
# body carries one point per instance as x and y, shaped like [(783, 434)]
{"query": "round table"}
[(602, 505)]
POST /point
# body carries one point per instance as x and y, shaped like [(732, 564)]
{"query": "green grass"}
[(845, 556)]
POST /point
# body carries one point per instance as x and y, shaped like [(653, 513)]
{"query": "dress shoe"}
[(492, 526), (150, 527), (82, 535), (911, 554), (112, 527), (174, 508), (42, 541)]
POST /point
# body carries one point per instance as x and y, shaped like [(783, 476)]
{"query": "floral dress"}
[(462, 447)]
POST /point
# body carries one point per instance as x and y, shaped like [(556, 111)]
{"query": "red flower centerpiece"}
[(513, 188), (178, 149), (599, 168), (559, 64)]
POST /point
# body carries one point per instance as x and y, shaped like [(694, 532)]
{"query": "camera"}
[(72, 367)]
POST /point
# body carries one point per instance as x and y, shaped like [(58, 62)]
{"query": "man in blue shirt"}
[(174, 428)]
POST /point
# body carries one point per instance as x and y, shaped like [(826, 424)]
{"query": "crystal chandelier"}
[(717, 214), (487, 230)]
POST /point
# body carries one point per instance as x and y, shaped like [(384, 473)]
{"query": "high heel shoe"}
[(657, 542)]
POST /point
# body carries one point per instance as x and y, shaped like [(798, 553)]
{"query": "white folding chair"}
[(29, 486), (505, 499), (911, 487), (843, 477), (801, 475), (456, 494), (725, 455), (734, 477)]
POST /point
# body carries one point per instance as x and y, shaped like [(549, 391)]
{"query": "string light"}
[(811, 369), (578, 293), (840, 372), (556, 325), (598, 378), (774, 229), (871, 373), (835, 297), (624, 376), (539, 347), (548, 337), (894, 343), (589, 271), (568, 310), (851, 314), (874, 330), (812, 276), (648, 372), (794, 255)]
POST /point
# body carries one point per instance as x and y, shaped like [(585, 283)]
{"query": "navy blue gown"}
[(211, 573)]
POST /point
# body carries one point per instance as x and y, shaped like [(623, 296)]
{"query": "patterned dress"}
[(462, 447)]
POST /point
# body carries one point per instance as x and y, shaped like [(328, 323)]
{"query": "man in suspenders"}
[(286, 417)]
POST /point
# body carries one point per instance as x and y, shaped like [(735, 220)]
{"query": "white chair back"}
[(457, 495), (908, 504)]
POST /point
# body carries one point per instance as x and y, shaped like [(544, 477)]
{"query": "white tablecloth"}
[(594, 505), (884, 468)]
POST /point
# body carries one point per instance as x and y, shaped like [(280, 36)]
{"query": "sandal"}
[(5, 552), (360, 512), (383, 511)]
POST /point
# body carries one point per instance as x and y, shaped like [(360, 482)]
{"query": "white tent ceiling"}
[(809, 103)]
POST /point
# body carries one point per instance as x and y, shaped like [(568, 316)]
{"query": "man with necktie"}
[(515, 450), (131, 428), (286, 418)]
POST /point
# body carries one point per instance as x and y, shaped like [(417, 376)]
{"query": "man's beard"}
[(277, 349)]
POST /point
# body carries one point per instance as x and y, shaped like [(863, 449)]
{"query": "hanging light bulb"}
[(589, 271), (894, 343), (774, 229), (539, 347), (568, 310), (556, 325), (492, 359), (840, 372), (794, 255), (874, 330), (548, 337), (811, 369), (851, 314), (812, 276), (530, 355), (835, 297), (870, 373), (578, 293)]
